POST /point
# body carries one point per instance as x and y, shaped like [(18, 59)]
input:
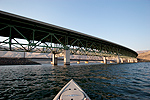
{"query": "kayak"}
[(71, 91)]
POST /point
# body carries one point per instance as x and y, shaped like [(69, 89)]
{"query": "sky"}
[(125, 22)]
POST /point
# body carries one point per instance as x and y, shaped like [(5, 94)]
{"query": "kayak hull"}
[(71, 91)]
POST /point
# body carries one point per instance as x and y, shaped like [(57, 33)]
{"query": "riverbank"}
[(16, 61), (143, 60)]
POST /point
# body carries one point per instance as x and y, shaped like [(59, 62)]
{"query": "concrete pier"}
[(105, 60), (78, 62), (86, 62), (128, 60), (121, 60), (54, 60), (136, 60), (118, 60), (132, 61), (66, 57)]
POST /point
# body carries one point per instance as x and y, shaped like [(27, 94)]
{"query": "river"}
[(43, 82)]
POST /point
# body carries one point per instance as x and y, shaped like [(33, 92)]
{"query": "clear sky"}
[(125, 22)]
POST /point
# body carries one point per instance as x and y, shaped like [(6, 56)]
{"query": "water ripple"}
[(123, 81)]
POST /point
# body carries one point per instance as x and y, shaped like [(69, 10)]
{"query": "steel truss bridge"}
[(27, 35)]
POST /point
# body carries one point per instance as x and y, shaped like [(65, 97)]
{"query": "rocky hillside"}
[(144, 55), (27, 54), (11, 54)]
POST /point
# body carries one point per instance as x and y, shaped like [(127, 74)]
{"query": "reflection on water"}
[(123, 81)]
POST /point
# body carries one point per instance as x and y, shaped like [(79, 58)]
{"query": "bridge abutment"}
[(66, 57)]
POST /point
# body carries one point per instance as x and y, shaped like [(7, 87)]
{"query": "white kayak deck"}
[(71, 91)]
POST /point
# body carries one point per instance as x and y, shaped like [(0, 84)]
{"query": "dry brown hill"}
[(144, 55)]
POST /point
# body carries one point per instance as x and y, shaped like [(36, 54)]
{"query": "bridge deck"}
[(34, 30)]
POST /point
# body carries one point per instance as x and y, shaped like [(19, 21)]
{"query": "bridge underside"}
[(28, 35)]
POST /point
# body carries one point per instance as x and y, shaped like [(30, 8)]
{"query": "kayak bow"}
[(71, 91)]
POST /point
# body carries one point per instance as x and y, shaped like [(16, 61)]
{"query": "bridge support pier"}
[(118, 60), (132, 61), (121, 60), (78, 62), (136, 60), (66, 57), (105, 60), (54, 60), (128, 60)]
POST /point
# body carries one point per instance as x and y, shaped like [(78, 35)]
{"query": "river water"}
[(43, 82)]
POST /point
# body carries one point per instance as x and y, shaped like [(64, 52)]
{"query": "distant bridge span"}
[(47, 38)]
